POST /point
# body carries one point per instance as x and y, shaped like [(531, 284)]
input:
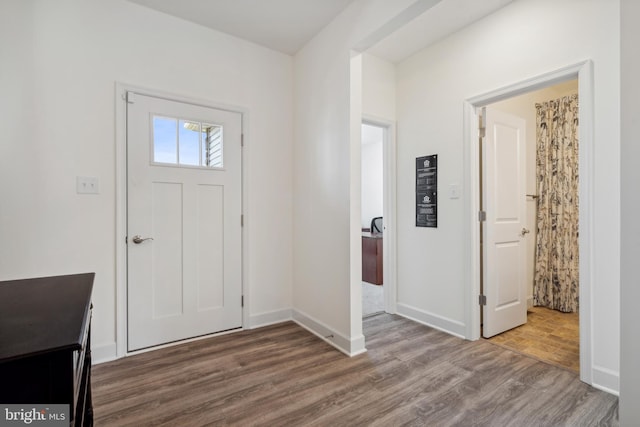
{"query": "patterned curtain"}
[(556, 273)]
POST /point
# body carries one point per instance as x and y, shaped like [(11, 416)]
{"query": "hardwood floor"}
[(282, 375), (549, 335)]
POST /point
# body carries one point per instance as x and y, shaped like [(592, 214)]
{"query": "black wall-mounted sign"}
[(427, 191)]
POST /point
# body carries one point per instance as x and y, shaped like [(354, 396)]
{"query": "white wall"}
[(378, 88), (327, 240), (630, 226), (61, 61), (378, 105), (371, 183), (18, 111), (524, 106), (527, 38)]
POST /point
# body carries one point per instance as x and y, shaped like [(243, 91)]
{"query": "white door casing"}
[(584, 72), (187, 281), (504, 163)]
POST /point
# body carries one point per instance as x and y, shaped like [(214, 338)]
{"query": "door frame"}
[(389, 267), (121, 206), (583, 71)]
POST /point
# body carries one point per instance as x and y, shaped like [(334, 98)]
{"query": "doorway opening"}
[(549, 327), (372, 219), (583, 72), (378, 216)]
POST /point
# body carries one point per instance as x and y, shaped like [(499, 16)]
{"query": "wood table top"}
[(42, 315)]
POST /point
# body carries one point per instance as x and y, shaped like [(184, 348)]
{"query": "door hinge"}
[(482, 216), (241, 220), (242, 301), (126, 239), (242, 139), (482, 299), (130, 97), (482, 132)]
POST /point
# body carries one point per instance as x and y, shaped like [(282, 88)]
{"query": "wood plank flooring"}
[(549, 335), (282, 375)]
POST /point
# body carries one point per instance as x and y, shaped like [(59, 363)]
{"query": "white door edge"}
[(121, 202), (583, 71)]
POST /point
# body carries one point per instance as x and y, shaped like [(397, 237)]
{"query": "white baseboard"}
[(269, 318), (443, 324), (103, 353), (107, 352), (348, 346), (606, 380)]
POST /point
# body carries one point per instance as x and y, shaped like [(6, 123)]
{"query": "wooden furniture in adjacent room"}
[(45, 348), (372, 257)]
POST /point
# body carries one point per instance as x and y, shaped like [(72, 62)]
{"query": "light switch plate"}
[(454, 191), (87, 185)]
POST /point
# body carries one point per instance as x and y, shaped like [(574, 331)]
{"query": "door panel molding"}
[(583, 71)]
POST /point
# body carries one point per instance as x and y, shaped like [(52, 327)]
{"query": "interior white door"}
[(183, 220), (504, 232)]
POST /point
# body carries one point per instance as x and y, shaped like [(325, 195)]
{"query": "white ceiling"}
[(282, 25), (287, 25)]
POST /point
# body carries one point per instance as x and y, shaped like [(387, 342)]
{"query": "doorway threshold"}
[(549, 336)]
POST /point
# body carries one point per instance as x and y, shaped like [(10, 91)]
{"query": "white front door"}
[(504, 231), (183, 220)]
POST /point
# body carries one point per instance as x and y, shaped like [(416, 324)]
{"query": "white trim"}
[(471, 230), (584, 72), (103, 353), (606, 380), (564, 74), (107, 352), (450, 326), (121, 219), (389, 246), (246, 217), (184, 341), (121, 201), (270, 318), (585, 241), (350, 347)]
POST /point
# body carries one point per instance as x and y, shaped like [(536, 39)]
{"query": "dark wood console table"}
[(372, 257), (45, 346)]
